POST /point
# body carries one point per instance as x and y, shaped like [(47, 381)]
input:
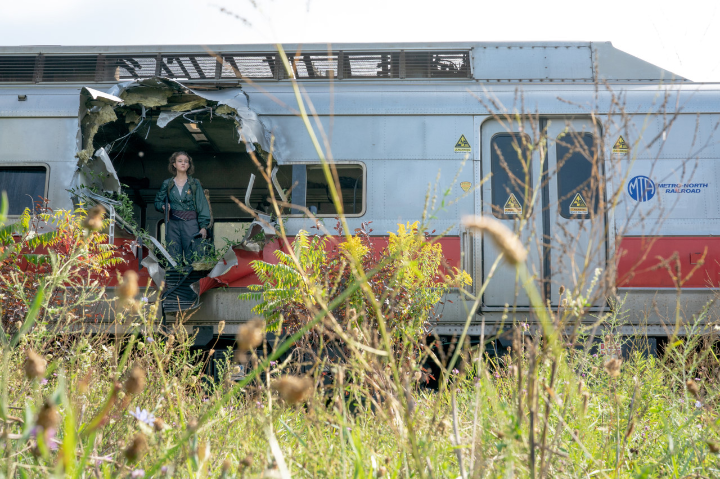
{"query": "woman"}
[(188, 212)]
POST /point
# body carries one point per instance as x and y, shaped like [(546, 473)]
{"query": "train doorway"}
[(551, 193)]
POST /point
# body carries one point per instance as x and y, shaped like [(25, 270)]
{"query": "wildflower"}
[(135, 382), (698, 404), (137, 473), (250, 335), (273, 363), (692, 387), (93, 220), (506, 240), (48, 417), (136, 448), (612, 367), (293, 389), (455, 371), (34, 365), (164, 469), (149, 339), (143, 416)]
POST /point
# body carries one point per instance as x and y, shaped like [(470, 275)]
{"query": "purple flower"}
[(138, 473), (164, 469), (44, 381), (455, 371), (497, 375), (273, 363), (698, 404), (149, 339), (143, 416)]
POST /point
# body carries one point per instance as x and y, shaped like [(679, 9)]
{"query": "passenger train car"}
[(620, 172)]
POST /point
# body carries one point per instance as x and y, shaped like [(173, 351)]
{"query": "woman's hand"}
[(203, 233)]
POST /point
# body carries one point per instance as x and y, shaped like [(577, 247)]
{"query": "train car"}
[(621, 166)]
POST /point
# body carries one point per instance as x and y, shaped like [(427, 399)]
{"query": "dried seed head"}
[(382, 471), (250, 335), (204, 451), (158, 424), (293, 389), (586, 400), (93, 220), (630, 430), (506, 240), (417, 376), (192, 424), (221, 327), (562, 289), (34, 365), (135, 382), (714, 447), (48, 417), (246, 462), (444, 426), (226, 465), (693, 388), (136, 448), (128, 287), (612, 367), (18, 325)]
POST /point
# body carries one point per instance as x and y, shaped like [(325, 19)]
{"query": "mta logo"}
[(641, 188)]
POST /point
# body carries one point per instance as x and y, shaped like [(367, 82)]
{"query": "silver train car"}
[(633, 193)]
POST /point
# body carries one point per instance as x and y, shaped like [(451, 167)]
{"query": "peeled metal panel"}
[(569, 62), (376, 137)]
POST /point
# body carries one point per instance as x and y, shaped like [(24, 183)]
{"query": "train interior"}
[(140, 141)]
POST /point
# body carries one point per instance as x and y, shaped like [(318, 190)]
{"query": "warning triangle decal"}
[(578, 205), (512, 206), (462, 145), (620, 146)]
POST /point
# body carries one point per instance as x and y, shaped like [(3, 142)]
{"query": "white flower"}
[(143, 416)]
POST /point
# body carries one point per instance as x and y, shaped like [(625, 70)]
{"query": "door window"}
[(577, 176), (511, 175)]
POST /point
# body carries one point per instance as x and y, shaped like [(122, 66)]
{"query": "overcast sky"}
[(682, 37)]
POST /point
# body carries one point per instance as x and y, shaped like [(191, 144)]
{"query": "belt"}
[(183, 215)]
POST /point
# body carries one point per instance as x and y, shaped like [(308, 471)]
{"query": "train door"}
[(511, 196), (575, 215)]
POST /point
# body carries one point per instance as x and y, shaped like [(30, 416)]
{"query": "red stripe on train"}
[(643, 261)]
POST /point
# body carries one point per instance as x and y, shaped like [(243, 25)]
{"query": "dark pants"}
[(179, 240)]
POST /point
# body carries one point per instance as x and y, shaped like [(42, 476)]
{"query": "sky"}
[(679, 36)]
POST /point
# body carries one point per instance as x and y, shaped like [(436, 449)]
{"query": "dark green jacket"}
[(185, 200)]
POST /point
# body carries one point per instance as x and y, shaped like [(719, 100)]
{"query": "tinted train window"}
[(577, 176), (511, 175), (23, 185), (317, 193)]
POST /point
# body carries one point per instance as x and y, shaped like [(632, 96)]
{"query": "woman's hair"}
[(171, 163)]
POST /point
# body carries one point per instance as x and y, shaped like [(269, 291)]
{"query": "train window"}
[(315, 195), (577, 180), (23, 185), (511, 175)]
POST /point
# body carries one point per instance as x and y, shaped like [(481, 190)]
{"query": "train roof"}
[(480, 61)]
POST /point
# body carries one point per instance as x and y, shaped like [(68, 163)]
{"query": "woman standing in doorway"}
[(183, 201)]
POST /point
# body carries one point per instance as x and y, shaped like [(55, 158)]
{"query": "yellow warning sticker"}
[(465, 185), (620, 146), (462, 145), (578, 205), (512, 206)]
